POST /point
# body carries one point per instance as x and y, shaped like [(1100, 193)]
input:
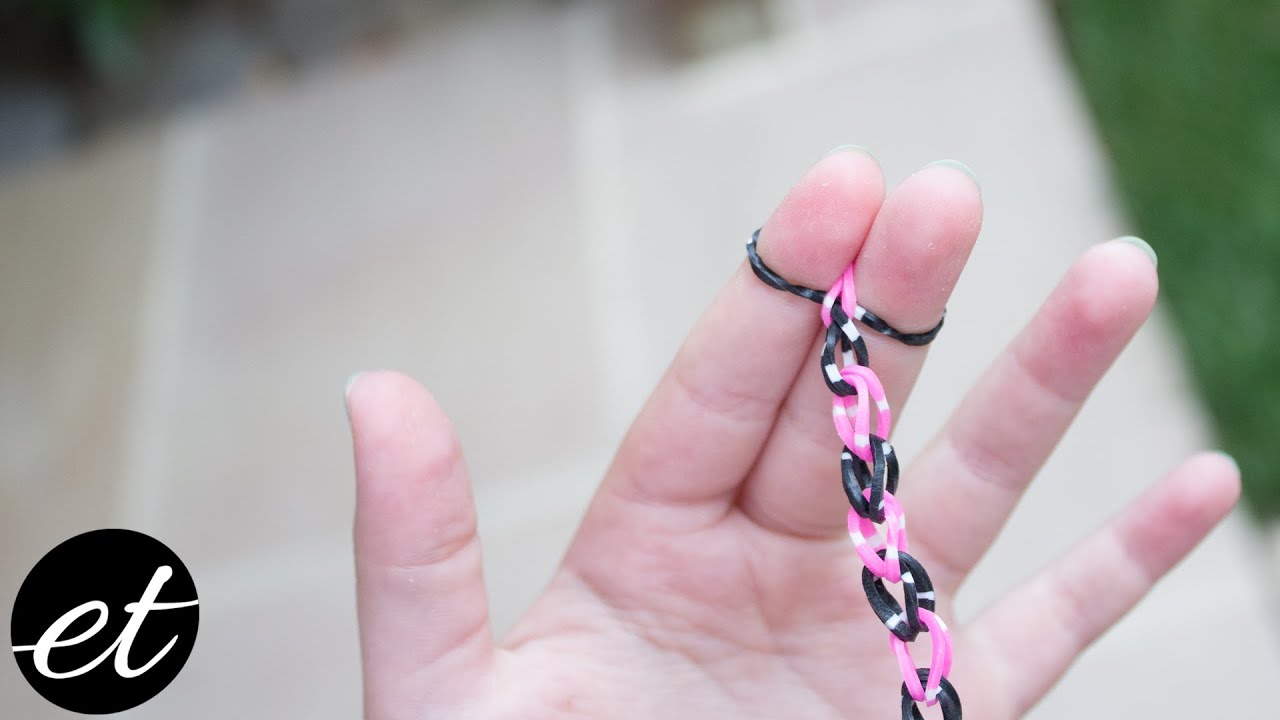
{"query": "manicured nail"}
[(958, 166), (346, 392), (850, 148), (1230, 459), (1142, 245)]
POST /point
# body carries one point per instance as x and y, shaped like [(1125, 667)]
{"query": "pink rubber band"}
[(852, 414), (939, 665), (884, 417), (862, 530), (853, 430), (843, 288)]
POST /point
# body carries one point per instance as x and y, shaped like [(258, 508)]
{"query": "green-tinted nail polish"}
[(849, 148), (346, 391), (1142, 245), (956, 164)]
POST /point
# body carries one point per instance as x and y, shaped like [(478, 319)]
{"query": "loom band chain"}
[(860, 478), (876, 393), (859, 313), (855, 431), (948, 699), (902, 619), (869, 483), (862, 531), (939, 665), (843, 332), (859, 497), (857, 477)]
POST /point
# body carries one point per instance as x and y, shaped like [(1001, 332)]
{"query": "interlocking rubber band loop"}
[(862, 530), (856, 430), (947, 698), (902, 619), (940, 662), (869, 474), (844, 333), (882, 476)]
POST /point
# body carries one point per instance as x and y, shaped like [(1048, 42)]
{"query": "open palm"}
[(713, 576)]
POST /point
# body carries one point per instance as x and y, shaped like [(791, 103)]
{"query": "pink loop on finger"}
[(842, 289), (829, 301), (940, 661), (848, 296)]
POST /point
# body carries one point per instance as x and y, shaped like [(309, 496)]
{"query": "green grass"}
[(1186, 94)]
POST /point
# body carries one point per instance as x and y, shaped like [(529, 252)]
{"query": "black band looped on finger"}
[(947, 698), (903, 619), (862, 315), (773, 279), (873, 321)]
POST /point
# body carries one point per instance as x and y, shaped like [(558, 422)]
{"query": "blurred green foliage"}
[(1187, 97), (102, 35), (108, 33)]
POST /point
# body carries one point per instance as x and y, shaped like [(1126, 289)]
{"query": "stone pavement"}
[(182, 305)]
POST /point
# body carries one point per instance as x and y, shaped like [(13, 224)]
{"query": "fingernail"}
[(958, 166), (850, 148), (1142, 245), (346, 392), (1226, 456)]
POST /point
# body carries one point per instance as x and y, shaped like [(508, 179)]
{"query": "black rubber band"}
[(902, 621), (838, 335), (864, 316), (947, 698), (773, 279), (880, 477), (874, 322)]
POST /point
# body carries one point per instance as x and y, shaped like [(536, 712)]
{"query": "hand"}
[(712, 576)]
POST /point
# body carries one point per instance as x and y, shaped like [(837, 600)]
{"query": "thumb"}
[(424, 618)]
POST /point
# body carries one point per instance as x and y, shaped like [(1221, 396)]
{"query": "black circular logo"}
[(104, 621)]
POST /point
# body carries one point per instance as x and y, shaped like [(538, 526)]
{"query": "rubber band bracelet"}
[(869, 475)]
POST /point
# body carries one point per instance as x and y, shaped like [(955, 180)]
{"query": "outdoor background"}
[(211, 214)]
